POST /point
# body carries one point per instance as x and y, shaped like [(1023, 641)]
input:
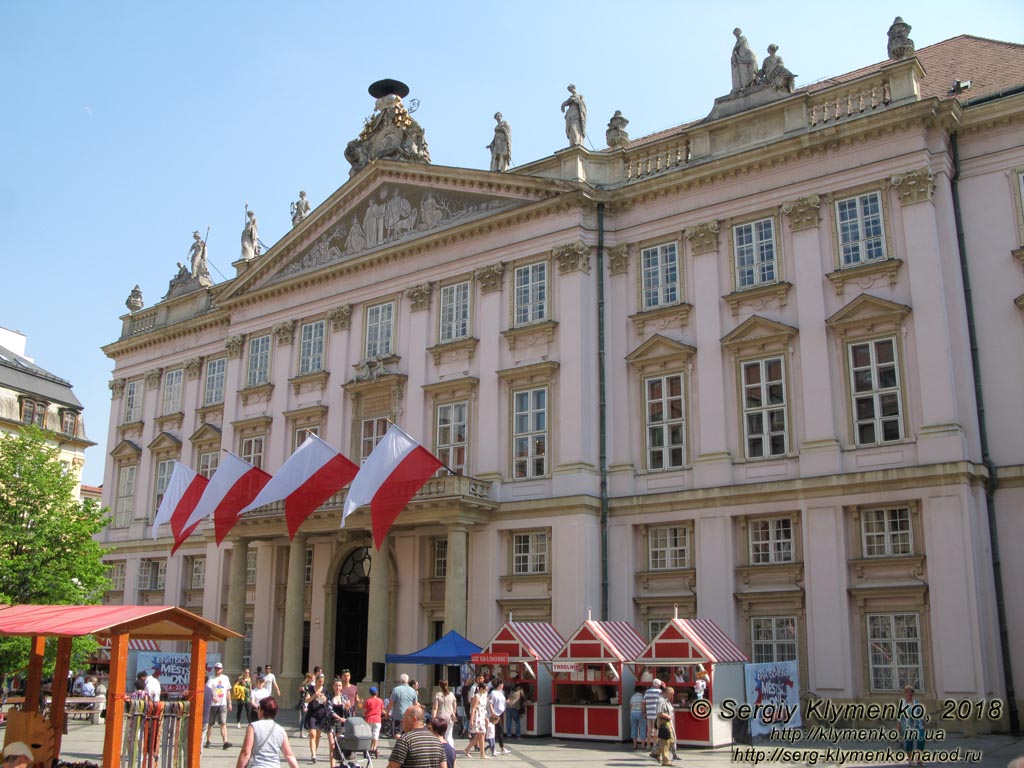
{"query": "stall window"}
[(669, 548), (529, 553), (894, 651), (773, 638)]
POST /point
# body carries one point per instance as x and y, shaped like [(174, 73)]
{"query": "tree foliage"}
[(48, 555)]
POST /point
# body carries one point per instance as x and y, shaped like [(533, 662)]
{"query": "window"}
[(133, 401), (208, 461), (252, 450), (654, 626), (660, 275), (764, 408), (307, 573), (454, 312), (380, 324), (115, 572), (754, 245), (669, 548), (197, 573), (875, 384), (373, 432), (861, 234), (247, 646), (259, 361), (301, 433), (163, 475), (771, 541), (152, 574), (311, 348), (125, 496), (215, 371), (68, 422), (250, 567), (531, 293), (886, 532), (440, 558), (172, 391), (666, 442), (529, 553), (452, 435), (530, 433), (894, 651), (33, 412), (773, 638)]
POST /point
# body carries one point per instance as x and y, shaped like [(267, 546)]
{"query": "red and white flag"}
[(235, 483), (310, 476), (181, 495), (397, 468)]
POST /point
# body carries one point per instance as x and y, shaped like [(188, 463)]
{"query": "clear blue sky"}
[(127, 125)]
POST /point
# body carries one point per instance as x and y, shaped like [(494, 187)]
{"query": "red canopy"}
[(155, 622)]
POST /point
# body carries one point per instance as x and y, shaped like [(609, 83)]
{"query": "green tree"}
[(48, 555)]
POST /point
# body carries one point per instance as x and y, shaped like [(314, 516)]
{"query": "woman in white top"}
[(266, 741), (444, 706)]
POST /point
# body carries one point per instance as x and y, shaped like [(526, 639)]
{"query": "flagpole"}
[(450, 470)]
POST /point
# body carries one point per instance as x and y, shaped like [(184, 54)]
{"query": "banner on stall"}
[(174, 669), (774, 683), (489, 658)]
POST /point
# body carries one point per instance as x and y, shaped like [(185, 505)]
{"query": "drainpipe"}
[(602, 413), (986, 456)]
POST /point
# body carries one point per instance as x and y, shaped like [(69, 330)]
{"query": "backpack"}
[(238, 692)]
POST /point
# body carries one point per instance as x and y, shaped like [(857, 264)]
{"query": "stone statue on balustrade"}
[(575, 109), (501, 145), (900, 44), (389, 133), (744, 64), (197, 258), (753, 87), (250, 237), (300, 209), (773, 73), (616, 135)]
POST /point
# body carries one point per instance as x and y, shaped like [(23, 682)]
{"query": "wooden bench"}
[(88, 707), (13, 702)]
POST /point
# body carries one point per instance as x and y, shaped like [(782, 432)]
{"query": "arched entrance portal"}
[(351, 615)]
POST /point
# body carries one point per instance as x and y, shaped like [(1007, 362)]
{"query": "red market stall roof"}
[(602, 641), (691, 641), (155, 622), (526, 641)]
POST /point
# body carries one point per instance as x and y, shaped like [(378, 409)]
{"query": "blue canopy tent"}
[(453, 648)]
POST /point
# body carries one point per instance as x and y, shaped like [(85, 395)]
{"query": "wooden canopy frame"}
[(118, 623)]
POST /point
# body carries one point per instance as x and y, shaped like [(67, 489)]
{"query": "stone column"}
[(378, 614), (455, 580), (236, 607), (294, 614)]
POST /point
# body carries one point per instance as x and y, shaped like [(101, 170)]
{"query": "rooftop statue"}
[(744, 64), (773, 72), (501, 145), (616, 135), (390, 133), (300, 209), (197, 257), (575, 109), (900, 44), (250, 237)]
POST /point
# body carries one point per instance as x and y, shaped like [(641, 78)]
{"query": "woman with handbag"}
[(265, 741), (666, 727), (478, 723), (317, 715)]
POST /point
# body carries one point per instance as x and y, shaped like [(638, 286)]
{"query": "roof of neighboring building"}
[(21, 374), (991, 66)]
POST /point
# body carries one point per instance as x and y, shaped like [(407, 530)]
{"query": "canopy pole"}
[(115, 700), (34, 683), (60, 691), (196, 683)]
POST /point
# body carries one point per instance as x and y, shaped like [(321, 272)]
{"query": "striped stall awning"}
[(538, 638), (691, 641), (603, 641), (134, 645)]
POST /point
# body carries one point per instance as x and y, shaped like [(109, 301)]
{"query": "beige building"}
[(726, 367), (30, 394)]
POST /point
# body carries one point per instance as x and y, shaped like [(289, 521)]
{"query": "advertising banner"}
[(773, 689), (173, 667)]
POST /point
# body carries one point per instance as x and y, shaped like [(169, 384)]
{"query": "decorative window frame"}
[(869, 318), (464, 389), (259, 390), (661, 356), (299, 420), (670, 584), (125, 454), (796, 544), (65, 415), (205, 440), (660, 317), (524, 377), (511, 553), (864, 272), (39, 410), (220, 360), (467, 279), (673, 239), (855, 534), (549, 284), (760, 294), (379, 397), (395, 300), (168, 405), (770, 601), (134, 391), (116, 573), (687, 527), (324, 346), (164, 447), (255, 427), (891, 600)]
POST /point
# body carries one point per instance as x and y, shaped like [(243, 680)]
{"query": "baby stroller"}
[(355, 737)]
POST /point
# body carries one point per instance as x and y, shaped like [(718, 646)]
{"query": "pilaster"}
[(378, 613), (455, 592), (236, 606), (294, 614)]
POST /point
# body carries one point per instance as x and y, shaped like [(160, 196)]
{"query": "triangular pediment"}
[(758, 332), (208, 433), (660, 349), (868, 311), (165, 441), (126, 449), (390, 207)]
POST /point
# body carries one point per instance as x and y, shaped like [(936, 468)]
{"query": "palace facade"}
[(724, 370)]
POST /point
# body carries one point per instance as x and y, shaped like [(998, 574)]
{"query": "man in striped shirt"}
[(417, 747), (652, 698)]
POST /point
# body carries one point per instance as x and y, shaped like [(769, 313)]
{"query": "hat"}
[(218, 665), (373, 690), (18, 749), (657, 683)]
